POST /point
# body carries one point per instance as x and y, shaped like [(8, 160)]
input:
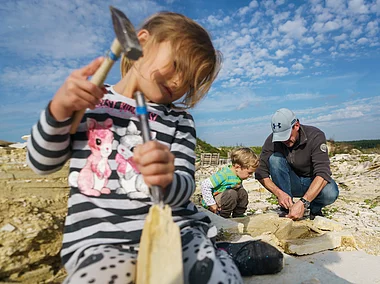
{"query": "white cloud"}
[(357, 6), (316, 7), (336, 5), (302, 96), (348, 24), (294, 29), (297, 66), (344, 46), (376, 7), (306, 58), (215, 21), (326, 27), (35, 77), (282, 53), (260, 53), (308, 40), (323, 17), (280, 71), (277, 18), (244, 10), (346, 113), (341, 37), (242, 41), (318, 50), (356, 32), (372, 27), (362, 40)]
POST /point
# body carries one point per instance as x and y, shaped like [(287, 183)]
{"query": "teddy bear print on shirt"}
[(130, 180)]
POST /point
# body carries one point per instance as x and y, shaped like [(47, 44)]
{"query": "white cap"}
[(282, 123)]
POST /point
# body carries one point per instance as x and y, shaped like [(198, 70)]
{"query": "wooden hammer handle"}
[(98, 79)]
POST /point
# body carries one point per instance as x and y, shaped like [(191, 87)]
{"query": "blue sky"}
[(319, 58)]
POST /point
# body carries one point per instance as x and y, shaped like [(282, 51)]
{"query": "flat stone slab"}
[(227, 225), (313, 245), (325, 224), (325, 267)]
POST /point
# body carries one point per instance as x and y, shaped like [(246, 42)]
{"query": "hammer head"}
[(126, 34)]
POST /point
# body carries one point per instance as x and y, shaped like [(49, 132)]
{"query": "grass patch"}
[(328, 212), (371, 203), (272, 199)]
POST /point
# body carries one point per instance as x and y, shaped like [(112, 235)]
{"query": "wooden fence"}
[(212, 159)]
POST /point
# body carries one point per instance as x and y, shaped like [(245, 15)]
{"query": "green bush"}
[(204, 147)]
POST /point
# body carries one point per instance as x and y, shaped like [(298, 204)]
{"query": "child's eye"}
[(175, 64)]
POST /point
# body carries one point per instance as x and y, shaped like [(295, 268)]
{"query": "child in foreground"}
[(223, 192), (110, 168)]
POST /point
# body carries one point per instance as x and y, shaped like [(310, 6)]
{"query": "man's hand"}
[(214, 208), (296, 211), (284, 200), (155, 162)]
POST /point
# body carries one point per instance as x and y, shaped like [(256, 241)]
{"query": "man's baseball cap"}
[(282, 123)]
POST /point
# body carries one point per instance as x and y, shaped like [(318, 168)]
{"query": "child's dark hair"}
[(193, 52)]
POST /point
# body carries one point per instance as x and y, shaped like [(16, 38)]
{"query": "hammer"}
[(126, 41)]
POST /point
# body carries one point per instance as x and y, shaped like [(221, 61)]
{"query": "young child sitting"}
[(110, 170), (223, 192)]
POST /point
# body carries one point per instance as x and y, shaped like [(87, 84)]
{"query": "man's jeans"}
[(288, 181)]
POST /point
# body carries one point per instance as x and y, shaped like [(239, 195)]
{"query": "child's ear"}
[(237, 166), (143, 36)]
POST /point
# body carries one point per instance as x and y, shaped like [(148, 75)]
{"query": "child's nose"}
[(175, 80)]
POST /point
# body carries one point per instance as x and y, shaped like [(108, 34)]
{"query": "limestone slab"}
[(227, 225), (325, 224), (327, 241)]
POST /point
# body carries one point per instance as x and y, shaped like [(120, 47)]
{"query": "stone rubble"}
[(33, 208)]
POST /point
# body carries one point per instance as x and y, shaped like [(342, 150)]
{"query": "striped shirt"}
[(108, 200)]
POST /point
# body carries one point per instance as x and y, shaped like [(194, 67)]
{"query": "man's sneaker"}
[(254, 257), (318, 213)]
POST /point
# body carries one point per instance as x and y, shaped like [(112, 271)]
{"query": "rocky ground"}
[(32, 211)]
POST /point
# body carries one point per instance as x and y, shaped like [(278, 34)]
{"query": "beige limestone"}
[(327, 224), (327, 241)]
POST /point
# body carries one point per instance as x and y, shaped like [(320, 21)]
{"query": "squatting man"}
[(294, 162)]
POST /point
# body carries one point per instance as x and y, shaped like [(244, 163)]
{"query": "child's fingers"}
[(146, 158), (157, 169), (84, 100), (150, 146), (95, 91), (89, 69), (159, 180)]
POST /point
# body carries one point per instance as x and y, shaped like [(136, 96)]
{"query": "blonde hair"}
[(193, 52), (245, 157)]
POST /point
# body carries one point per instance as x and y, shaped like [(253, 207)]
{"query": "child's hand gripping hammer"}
[(126, 41)]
